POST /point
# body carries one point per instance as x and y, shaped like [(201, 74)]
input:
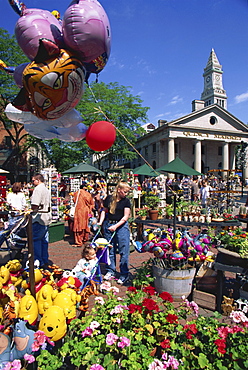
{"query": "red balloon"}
[(100, 135)]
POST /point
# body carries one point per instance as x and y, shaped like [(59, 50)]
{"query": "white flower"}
[(100, 300)]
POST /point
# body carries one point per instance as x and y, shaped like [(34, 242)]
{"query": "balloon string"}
[(99, 109), (117, 129)]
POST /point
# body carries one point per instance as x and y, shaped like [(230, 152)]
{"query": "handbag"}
[(73, 208)]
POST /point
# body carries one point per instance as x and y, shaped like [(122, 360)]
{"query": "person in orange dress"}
[(83, 212)]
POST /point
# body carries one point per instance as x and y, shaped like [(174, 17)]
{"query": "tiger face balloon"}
[(55, 86)]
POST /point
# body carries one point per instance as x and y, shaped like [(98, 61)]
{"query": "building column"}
[(171, 153), (225, 157), (171, 149), (232, 157), (198, 156)]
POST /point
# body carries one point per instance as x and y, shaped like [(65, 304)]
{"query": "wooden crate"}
[(204, 299)]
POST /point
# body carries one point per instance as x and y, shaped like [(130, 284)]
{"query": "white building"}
[(206, 138)]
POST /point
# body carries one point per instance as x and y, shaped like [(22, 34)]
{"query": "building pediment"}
[(212, 118)]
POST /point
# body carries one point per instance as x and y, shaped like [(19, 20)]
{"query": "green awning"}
[(83, 168), (145, 170), (180, 167)]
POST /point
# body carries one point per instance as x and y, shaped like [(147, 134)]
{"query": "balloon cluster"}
[(184, 246), (63, 53)]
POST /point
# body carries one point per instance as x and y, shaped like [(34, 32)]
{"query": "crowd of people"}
[(106, 210)]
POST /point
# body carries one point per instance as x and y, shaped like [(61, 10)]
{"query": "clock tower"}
[(213, 92)]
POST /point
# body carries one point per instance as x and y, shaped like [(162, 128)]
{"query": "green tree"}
[(103, 102), (11, 55)]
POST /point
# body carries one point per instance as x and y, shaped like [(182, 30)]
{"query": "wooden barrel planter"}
[(176, 282)]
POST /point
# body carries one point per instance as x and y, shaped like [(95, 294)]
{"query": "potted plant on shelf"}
[(142, 213), (151, 202)]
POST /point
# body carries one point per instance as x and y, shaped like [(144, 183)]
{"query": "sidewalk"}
[(65, 256)]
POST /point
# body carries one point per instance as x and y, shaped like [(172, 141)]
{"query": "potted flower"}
[(142, 213), (145, 331), (152, 201)]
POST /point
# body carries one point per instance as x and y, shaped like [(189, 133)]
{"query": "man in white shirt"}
[(40, 201)]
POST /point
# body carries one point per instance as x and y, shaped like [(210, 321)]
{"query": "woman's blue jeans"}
[(121, 243)]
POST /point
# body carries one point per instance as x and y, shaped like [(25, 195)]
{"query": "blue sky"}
[(160, 48)]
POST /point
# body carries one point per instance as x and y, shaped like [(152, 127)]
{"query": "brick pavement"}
[(65, 256)]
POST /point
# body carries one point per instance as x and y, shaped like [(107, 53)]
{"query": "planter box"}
[(230, 258), (204, 299), (56, 232)]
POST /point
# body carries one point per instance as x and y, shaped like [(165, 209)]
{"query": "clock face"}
[(208, 79), (217, 77)]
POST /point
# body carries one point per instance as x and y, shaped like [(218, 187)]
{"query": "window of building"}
[(176, 149), (8, 141), (203, 149), (219, 150), (154, 148), (146, 150), (213, 120)]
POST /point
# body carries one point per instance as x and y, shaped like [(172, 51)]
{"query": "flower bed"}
[(146, 331)]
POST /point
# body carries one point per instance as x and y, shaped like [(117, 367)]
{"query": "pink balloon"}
[(86, 30), (33, 25)]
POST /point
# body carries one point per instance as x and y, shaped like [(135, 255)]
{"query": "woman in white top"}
[(16, 199)]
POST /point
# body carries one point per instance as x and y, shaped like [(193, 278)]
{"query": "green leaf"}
[(202, 360)]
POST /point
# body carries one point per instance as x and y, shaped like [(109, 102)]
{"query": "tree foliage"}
[(11, 55), (103, 102)]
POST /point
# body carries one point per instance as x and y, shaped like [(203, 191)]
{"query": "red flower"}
[(191, 327), (149, 290), (189, 334), (166, 296), (165, 343), (172, 319), (150, 304), (134, 308), (221, 345), (132, 289)]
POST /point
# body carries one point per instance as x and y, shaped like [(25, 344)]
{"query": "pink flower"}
[(39, 340), (105, 286), (87, 332), (114, 289), (156, 365), (125, 342), (99, 300), (238, 316), (15, 365), (111, 339), (97, 367), (118, 309), (29, 358)]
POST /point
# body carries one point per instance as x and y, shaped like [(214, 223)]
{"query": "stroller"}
[(13, 239), (102, 256)]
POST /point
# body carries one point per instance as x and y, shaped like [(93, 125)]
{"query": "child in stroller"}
[(86, 264)]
